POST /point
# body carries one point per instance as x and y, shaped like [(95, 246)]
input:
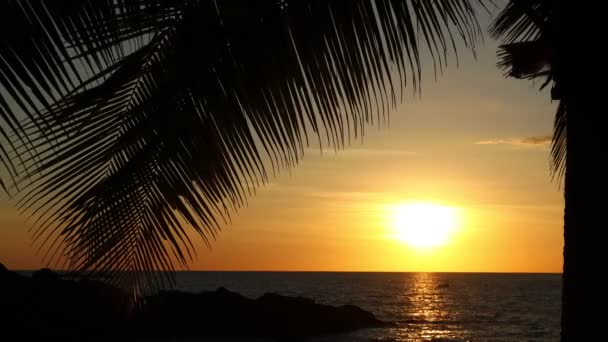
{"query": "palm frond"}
[(558, 143), (528, 52), (180, 109), (524, 28), (522, 20), (529, 60), (37, 66)]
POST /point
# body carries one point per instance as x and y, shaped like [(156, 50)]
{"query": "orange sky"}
[(465, 144)]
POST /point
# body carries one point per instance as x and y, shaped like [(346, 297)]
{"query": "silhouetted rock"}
[(45, 306), (45, 274), (222, 313)]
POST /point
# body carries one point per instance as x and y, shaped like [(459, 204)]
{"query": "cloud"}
[(541, 141)]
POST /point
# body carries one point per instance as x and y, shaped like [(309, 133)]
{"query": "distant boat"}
[(443, 285)]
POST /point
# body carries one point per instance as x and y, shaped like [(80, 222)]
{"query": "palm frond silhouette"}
[(131, 121)]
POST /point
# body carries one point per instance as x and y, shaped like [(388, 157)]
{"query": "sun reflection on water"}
[(429, 315)]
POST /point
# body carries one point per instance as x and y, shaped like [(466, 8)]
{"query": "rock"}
[(47, 307), (45, 274), (222, 313)]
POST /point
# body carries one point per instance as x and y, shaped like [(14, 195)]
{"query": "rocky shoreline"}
[(45, 306)]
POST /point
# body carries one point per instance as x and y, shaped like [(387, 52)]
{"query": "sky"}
[(474, 141)]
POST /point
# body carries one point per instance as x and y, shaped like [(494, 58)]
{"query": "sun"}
[(424, 225)]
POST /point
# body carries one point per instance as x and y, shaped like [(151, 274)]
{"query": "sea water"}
[(424, 306)]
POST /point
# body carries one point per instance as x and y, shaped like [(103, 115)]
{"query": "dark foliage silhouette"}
[(142, 118), (551, 41)]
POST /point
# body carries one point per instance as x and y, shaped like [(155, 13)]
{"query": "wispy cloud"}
[(541, 141)]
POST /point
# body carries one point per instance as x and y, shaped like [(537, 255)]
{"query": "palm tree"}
[(544, 39), (125, 121)]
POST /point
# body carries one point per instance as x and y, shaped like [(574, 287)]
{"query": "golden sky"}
[(474, 141)]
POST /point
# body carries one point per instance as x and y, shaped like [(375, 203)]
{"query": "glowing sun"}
[(424, 225)]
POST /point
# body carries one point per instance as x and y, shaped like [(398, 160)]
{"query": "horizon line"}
[(313, 271)]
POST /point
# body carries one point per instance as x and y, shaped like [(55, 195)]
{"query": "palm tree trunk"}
[(584, 220), (586, 187), (586, 212)]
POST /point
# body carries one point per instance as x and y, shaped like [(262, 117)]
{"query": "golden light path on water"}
[(430, 315)]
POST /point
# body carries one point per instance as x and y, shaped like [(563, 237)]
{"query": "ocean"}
[(424, 306)]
